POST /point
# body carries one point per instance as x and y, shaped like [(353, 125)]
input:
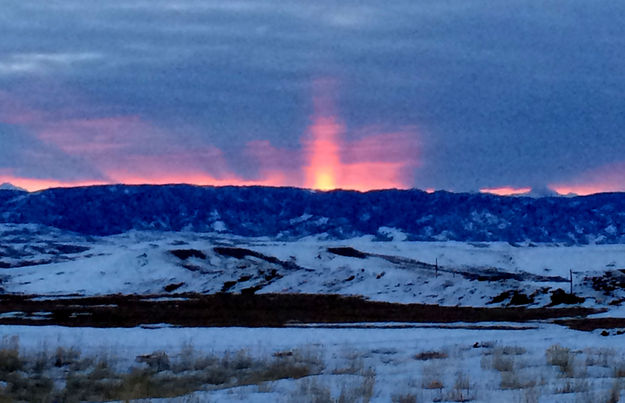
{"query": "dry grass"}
[(65, 376), (462, 390), (573, 386), (619, 369), (506, 361), (528, 395), (353, 363), (514, 380), (614, 394), (503, 363), (311, 391), (433, 375), (502, 358), (18, 384), (9, 355), (368, 385), (404, 398), (599, 357), (563, 358)]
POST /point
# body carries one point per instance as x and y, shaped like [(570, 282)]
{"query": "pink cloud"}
[(14, 111), (273, 162), (129, 149), (384, 147), (607, 178), (374, 161), (34, 184), (507, 190)]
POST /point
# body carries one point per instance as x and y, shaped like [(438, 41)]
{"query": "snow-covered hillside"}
[(485, 361), (42, 260)]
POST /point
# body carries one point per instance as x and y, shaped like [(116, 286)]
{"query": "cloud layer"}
[(444, 95)]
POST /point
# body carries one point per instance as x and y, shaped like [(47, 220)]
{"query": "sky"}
[(462, 95)]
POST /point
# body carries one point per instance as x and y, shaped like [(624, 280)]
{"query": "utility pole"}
[(571, 280)]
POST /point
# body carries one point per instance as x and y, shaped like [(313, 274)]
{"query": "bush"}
[(461, 391), (431, 355), (10, 360), (563, 358)]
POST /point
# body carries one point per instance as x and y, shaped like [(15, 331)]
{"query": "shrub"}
[(10, 360), (561, 357), (512, 380), (431, 355), (619, 370), (461, 392), (64, 357)]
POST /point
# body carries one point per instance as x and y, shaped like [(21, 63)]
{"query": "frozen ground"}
[(41, 260), (542, 363), (526, 362)]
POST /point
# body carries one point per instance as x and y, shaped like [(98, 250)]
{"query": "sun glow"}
[(375, 161), (33, 185), (584, 190), (506, 191), (131, 150), (323, 150), (605, 178)]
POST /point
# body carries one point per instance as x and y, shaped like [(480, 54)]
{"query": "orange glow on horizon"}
[(201, 180), (127, 149), (376, 161), (602, 179), (583, 190), (33, 185), (506, 191)]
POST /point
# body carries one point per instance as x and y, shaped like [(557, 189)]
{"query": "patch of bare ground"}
[(590, 324), (248, 309)]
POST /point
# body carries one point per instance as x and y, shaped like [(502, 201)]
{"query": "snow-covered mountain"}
[(290, 213), (10, 186)]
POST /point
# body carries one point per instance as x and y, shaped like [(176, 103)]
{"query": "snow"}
[(10, 186), (141, 262), (390, 352), (139, 340)]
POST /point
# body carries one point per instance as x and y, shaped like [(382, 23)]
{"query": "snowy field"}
[(483, 362), (541, 363), (40, 260)]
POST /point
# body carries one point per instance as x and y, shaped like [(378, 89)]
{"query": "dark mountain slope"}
[(291, 212)]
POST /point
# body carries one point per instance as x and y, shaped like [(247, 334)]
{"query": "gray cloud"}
[(23, 155), (28, 63), (516, 93)]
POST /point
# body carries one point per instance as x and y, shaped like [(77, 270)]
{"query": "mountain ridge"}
[(286, 212)]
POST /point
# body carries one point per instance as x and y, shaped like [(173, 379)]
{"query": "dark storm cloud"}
[(514, 93)]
